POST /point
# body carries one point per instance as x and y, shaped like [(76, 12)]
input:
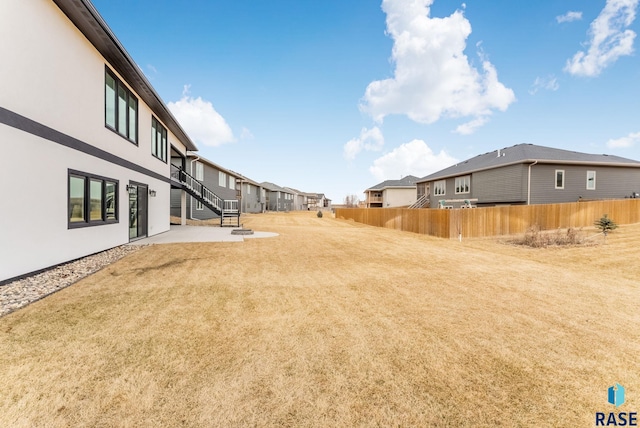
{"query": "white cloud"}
[(412, 158), (369, 139), (549, 83), (569, 17), (624, 142), (471, 126), (246, 134), (609, 39), (201, 121), (433, 78)]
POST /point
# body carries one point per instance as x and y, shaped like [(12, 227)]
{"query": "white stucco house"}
[(86, 140)]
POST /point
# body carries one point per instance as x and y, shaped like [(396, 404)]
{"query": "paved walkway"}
[(199, 234)]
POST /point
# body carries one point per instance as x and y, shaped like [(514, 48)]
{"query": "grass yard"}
[(332, 323)]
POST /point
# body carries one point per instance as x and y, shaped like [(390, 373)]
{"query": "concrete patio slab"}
[(182, 234)]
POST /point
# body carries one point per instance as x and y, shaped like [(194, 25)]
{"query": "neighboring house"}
[(86, 138), (221, 181), (299, 199), (277, 198), (305, 201), (252, 199), (392, 193), (531, 174), (318, 201)]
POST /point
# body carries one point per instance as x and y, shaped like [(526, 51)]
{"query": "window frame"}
[(440, 185), (593, 180), (561, 171), (159, 139), (107, 215), (131, 105), (231, 182), (222, 179), (199, 171), (463, 182)]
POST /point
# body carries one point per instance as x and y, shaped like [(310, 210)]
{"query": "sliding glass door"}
[(138, 206)]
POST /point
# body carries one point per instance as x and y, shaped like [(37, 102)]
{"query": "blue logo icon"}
[(616, 395)]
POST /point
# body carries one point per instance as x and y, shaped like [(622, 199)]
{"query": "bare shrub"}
[(536, 238)]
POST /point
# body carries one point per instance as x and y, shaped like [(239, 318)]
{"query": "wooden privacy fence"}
[(494, 221)]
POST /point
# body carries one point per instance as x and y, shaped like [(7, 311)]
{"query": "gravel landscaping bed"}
[(17, 294)]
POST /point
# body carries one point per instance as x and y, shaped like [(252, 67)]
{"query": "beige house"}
[(392, 193)]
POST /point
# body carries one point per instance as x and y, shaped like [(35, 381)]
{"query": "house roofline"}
[(529, 161), (374, 189), (215, 165), (84, 15)]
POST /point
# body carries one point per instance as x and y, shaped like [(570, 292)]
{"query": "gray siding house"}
[(252, 196), (299, 199), (219, 180), (277, 198), (529, 174)]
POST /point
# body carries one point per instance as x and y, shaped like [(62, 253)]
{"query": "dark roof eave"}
[(88, 20), (527, 161)]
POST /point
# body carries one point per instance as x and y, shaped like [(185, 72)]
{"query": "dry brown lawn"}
[(332, 323)]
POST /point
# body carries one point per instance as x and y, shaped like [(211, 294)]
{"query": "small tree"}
[(319, 214), (351, 201), (606, 225)]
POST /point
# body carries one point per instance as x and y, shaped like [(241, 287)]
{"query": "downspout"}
[(193, 175), (529, 183)]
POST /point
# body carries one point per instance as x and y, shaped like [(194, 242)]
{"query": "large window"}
[(559, 179), (121, 108), (158, 140), (93, 200), (463, 184), (591, 180), (440, 188)]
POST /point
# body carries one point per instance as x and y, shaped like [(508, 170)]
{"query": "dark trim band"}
[(32, 127)]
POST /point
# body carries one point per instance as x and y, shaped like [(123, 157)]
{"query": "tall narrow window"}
[(110, 198), (559, 179), (440, 187), (232, 182), (158, 140), (222, 179), (591, 180), (121, 108), (76, 199), (110, 101), (123, 97), (199, 171), (95, 204), (133, 118)]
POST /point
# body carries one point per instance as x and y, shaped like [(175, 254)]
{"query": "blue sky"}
[(335, 96)]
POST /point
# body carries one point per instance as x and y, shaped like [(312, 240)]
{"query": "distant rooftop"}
[(406, 182)]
